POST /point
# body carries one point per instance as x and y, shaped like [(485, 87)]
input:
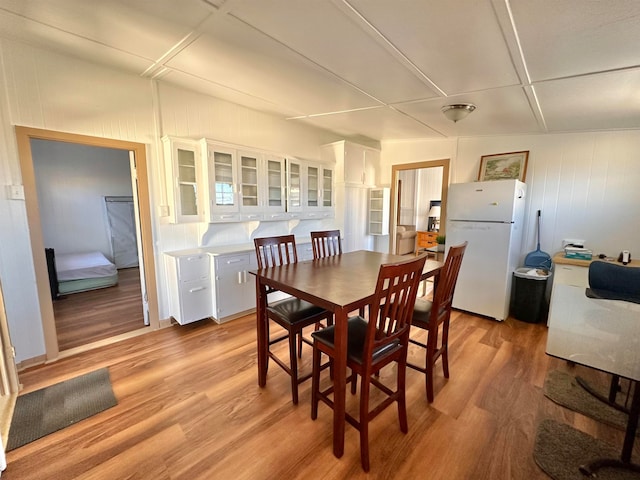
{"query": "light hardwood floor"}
[(86, 317), (189, 407)]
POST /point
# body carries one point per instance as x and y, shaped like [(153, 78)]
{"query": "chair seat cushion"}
[(421, 313), (357, 333), (293, 310)]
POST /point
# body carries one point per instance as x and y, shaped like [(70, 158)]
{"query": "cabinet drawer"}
[(426, 239), (232, 263), (193, 267), (195, 301), (224, 217)]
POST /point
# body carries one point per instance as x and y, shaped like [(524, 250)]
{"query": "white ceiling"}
[(380, 69)]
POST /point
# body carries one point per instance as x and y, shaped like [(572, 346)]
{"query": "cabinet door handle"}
[(235, 260), (196, 289)]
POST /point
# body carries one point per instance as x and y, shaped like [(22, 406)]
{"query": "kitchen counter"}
[(227, 249), (560, 259)]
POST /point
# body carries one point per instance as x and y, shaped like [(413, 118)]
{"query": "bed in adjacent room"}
[(79, 272)]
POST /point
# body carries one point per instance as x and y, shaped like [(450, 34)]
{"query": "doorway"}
[(140, 188), (414, 213)]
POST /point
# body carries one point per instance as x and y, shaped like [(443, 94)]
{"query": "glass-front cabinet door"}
[(320, 191), (313, 187), (327, 188), (294, 187), (261, 186), (183, 179), (250, 204), (274, 188), (222, 179)]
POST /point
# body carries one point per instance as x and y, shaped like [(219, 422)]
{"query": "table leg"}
[(627, 448), (339, 382), (632, 424), (610, 399), (261, 329)]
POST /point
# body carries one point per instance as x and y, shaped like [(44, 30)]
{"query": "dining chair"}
[(372, 345), (292, 314), (434, 316), (326, 243)]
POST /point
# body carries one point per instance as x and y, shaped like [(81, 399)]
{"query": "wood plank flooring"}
[(86, 317), (189, 407)]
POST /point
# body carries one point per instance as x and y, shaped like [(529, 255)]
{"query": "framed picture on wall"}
[(503, 166)]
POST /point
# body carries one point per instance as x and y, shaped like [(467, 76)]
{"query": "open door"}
[(24, 135), (398, 214)]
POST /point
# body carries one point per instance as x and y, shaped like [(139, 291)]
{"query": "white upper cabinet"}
[(356, 165), (310, 189), (262, 186), (243, 184), (183, 179), (217, 182)]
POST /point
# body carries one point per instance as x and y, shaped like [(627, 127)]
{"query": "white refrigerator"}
[(489, 215)]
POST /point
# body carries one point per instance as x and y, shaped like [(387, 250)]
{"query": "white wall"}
[(586, 184), (72, 181), (51, 91)]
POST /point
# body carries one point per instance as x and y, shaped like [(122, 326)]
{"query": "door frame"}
[(444, 163), (23, 137)]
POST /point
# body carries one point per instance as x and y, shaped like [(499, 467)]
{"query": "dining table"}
[(341, 284), (603, 335)]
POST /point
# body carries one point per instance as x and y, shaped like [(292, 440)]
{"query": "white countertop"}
[(226, 249), (602, 334)]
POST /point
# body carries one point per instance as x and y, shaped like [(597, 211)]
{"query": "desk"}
[(601, 334), (340, 284)]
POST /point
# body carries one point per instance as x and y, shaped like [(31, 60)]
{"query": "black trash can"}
[(528, 299)]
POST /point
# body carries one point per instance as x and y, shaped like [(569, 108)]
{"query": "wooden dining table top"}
[(340, 281)]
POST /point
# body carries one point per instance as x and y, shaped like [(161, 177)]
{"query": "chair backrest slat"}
[(276, 251), (326, 243), (392, 306)]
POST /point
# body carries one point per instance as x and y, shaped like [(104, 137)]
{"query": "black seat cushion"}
[(421, 313), (293, 310), (357, 333), (614, 282)]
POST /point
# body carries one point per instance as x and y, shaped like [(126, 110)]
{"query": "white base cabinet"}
[(563, 274), (234, 287), (218, 285), (189, 282)]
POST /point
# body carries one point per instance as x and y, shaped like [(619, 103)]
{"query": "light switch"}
[(16, 192), (163, 210)]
